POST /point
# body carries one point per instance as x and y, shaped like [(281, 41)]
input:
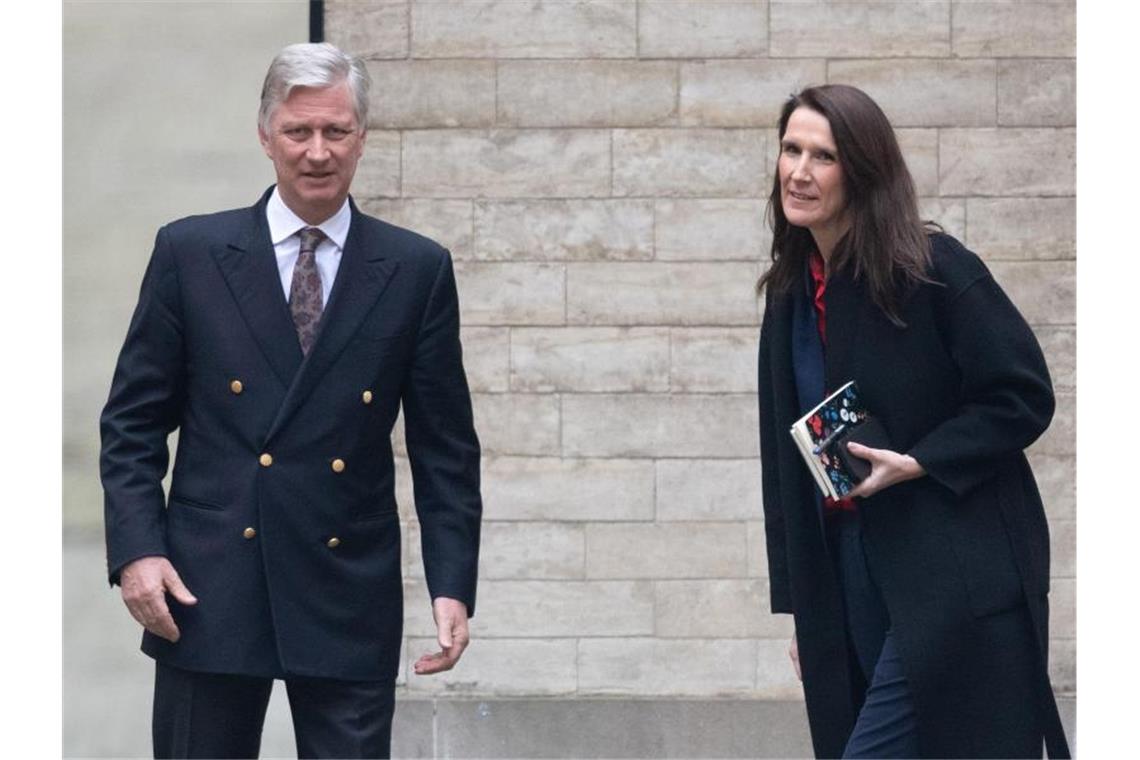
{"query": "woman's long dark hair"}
[(887, 241)]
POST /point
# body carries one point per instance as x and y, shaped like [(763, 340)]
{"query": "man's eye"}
[(336, 133), (296, 132)]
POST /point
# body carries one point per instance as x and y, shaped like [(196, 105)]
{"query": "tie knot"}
[(310, 238)]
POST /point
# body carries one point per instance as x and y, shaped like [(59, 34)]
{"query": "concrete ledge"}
[(611, 728)]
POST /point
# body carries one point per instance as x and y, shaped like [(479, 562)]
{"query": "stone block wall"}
[(599, 170)]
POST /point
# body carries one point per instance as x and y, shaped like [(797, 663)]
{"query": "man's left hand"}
[(451, 622), (887, 468)]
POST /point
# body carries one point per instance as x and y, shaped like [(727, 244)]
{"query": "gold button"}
[(236, 386), (333, 542), (265, 459), (366, 397), (338, 465), (249, 532)]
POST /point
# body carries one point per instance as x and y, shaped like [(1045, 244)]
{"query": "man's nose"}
[(318, 148)]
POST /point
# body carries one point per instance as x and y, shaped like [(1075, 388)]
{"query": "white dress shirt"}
[(283, 228)]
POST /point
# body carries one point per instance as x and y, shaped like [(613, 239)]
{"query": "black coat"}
[(290, 599), (963, 389)]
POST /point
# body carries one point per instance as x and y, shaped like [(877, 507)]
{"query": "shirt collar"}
[(283, 222)]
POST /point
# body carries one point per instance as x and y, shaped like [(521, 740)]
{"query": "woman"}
[(920, 605)]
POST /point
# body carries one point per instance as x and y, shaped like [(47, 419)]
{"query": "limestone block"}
[(920, 151), (702, 29), (448, 222), (594, 93), (418, 619), (662, 293), (405, 497), (925, 92), (537, 488), (1044, 291), (1061, 436), (743, 93), (487, 358), (1060, 347), (519, 551), (554, 230), (1056, 476), (378, 173), (1063, 665), (531, 667), (714, 359), (1005, 29), (432, 94), (665, 550), (1007, 161), (711, 229), (757, 552), (506, 163), (722, 608), (1063, 548), (590, 359), (948, 212), (635, 425), (708, 489), (689, 162), (1037, 93), (859, 30), (510, 609), (1022, 228), (646, 666), (516, 423), (512, 29), (775, 674), (1063, 608), (371, 29), (511, 293)]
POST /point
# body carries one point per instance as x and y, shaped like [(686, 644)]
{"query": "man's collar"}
[(283, 222)]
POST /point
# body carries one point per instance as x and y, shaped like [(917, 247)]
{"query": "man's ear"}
[(264, 139)]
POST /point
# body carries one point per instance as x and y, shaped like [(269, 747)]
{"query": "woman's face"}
[(811, 179)]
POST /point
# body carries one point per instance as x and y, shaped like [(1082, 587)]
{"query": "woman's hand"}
[(887, 468), (794, 653)]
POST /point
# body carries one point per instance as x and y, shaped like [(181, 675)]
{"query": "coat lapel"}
[(363, 274), (249, 267)]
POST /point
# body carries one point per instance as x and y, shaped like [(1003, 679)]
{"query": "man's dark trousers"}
[(204, 715)]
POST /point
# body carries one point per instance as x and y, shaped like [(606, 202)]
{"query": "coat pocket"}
[(981, 544), (196, 503)]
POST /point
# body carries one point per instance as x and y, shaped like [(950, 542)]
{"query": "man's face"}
[(314, 143)]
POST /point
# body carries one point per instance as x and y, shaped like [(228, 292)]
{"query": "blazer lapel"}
[(362, 276), (249, 267)]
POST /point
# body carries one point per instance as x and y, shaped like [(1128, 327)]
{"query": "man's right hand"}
[(144, 583)]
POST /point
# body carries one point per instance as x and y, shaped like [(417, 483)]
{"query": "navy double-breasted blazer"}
[(295, 448)]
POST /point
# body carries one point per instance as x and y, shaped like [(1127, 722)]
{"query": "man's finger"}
[(178, 589), (435, 663)]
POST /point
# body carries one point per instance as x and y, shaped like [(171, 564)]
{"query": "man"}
[(280, 340)]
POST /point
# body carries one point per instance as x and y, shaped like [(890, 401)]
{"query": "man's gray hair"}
[(313, 64)]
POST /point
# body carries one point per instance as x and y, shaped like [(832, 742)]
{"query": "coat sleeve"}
[(143, 408), (1006, 394), (779, 588), (443, 448)]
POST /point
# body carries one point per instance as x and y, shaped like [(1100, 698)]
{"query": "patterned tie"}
[(305, 300)]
